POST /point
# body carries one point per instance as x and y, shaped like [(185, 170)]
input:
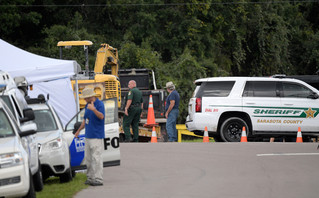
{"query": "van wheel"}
[(67, 176), (73, 173), (231, 129), (38, 179), (31, 192)]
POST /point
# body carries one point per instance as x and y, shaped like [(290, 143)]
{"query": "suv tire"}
[(230, 130), (38, 180), (31, 192), (67, 176)]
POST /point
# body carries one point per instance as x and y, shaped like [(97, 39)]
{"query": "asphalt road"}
[(223, 170)]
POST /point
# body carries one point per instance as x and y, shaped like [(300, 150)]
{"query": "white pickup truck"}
[(23, 116), (15, 168)]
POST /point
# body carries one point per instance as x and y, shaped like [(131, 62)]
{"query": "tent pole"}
[(77, 91), (61, 53)]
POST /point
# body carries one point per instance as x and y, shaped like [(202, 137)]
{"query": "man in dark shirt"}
[(171, 108), (133, 110)]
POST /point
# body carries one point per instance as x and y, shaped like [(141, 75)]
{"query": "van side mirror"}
[(28, 115)]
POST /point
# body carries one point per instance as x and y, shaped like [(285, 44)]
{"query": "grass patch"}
[(53, 188)]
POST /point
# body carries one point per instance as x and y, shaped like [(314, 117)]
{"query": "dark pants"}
[(133, 118)]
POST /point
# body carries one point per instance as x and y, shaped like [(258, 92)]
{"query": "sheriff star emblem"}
[(310, 113)]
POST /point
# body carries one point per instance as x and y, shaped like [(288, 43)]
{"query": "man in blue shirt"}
[(94, 136), (171, 108)]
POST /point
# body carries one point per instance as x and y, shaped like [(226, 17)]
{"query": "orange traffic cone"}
[(299, 136), (154, 137), (243, 135), (206, 138), (150, 114)]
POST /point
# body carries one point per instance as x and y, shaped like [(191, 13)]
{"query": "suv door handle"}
[(250, 103)]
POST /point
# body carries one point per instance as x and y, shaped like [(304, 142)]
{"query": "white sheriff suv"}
[(267, 107)]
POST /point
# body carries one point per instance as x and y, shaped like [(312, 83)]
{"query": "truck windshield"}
[(5, 126), (6, 99), (44, 120)]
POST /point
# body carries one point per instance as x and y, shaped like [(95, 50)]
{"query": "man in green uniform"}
[(133, 110)]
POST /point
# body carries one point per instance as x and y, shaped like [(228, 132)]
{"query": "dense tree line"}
[(181, 40)]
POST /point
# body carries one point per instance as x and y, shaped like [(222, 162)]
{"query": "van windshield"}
[(44, 120), (5, 126)]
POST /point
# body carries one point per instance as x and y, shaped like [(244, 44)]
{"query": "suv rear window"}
[(260, 89), (215, 89)]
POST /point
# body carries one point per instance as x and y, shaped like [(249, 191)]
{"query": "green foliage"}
[(180, 40), (133, 56), (181, 72)]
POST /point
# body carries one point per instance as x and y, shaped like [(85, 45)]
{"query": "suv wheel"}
[(231, 129), (31, 192), (38, 180), (67, 176)]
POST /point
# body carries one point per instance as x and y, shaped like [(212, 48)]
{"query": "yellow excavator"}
[(105, 85)]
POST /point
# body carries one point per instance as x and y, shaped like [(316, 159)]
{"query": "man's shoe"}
[(95, 183), (87, 182)]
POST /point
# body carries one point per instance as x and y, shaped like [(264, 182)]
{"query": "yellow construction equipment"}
[(105, 85)]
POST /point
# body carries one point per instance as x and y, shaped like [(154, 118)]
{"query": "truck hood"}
[(43, 137), (9, 145)]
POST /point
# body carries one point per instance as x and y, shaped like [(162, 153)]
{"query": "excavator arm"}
[(106, 57)]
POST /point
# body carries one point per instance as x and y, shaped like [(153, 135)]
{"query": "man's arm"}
[(142, 110), (96, 112), (128, 104), (171, 105), (79, 129)]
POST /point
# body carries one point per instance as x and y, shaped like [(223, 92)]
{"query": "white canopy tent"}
[(47, 75)]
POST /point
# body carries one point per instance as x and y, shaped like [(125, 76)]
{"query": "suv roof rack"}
[(279, 76), (40, 99)]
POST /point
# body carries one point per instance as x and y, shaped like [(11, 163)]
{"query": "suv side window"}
[(294, 90), (215, 89), (260, 89)]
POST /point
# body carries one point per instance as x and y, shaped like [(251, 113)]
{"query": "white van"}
[(111, 154), (60, 151), (267, 107)]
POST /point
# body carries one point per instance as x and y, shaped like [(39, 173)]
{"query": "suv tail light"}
[(198, 106)]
